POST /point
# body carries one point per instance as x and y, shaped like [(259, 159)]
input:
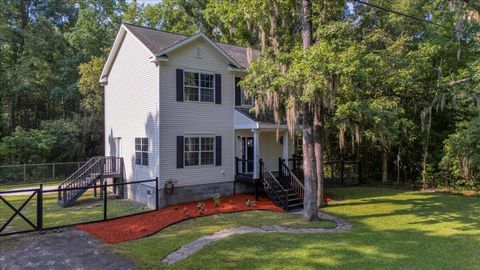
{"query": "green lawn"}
[(148, 252), (86, 209), (34, 185), (393, 229)]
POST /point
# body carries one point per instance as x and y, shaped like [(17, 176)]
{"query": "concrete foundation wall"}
[(146, 194)]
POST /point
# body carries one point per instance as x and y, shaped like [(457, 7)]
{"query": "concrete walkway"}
[(192, 247), (70, 249), (50, 187)]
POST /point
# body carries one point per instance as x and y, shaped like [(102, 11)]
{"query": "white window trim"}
[(141, 151), (199, 72), (200, 151)]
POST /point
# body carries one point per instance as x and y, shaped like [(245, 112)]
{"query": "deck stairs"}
[(283, 187), (95, 170)]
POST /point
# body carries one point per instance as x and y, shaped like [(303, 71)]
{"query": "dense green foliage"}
[(399, 95)]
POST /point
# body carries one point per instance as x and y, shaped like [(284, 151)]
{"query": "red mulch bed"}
[(138, 226)]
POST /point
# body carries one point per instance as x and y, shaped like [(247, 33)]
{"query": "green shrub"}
[(27, 146), (217, 200), (461, 157)]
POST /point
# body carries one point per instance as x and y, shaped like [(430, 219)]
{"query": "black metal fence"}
[(342, 172), (337, 172), (37, 209)]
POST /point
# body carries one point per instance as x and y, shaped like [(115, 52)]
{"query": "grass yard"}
[(86, 209), (27, 185), (393, 229), (149, 251)]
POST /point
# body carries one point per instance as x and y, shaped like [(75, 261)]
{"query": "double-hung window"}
[(199, 151), (141, 151), (247, 100), (199, 86)]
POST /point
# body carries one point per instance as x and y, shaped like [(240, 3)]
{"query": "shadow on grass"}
[(430, 208), (410, 249), (392, 229)]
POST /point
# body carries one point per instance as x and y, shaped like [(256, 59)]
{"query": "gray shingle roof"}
[(265, 118), (157, 41)]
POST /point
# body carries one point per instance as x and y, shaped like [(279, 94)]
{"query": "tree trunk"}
[(306, 24), (318, 131), (384, 165), (425, 150), (12, 109), (310, 209)]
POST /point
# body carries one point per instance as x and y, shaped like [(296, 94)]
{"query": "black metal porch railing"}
[(241, 166), (293, 181), (273, 187)]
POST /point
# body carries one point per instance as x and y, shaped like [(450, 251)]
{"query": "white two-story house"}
[(174, 110)]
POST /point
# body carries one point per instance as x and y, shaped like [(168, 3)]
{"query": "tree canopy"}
[(399, 95)]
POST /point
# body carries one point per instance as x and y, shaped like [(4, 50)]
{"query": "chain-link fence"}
[(31, 173)]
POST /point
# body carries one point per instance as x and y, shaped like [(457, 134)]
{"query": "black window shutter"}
[(218, 89), (180, 85), (180, 142), (238, 92), (218, 150)]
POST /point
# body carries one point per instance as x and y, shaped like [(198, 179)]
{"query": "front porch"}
[(256, 146)]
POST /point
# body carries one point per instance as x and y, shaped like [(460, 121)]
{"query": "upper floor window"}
[(247, 100), (141, 151), (241, 97), (199, 86)]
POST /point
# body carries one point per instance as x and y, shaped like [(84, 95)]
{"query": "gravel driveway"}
[(68, 249)]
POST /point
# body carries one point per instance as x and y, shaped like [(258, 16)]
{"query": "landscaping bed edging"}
[(143, 225)]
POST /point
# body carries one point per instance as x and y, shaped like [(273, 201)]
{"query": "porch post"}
[(285, 146), (256, 153)]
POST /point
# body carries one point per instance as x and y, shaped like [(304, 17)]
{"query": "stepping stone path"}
[(192, 247)]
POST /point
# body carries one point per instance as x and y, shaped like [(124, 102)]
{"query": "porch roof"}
[(245, 119)]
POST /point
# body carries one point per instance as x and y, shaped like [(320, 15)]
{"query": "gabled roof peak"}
[(157, 41), (160, 43)]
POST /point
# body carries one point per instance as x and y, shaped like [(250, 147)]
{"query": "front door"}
[(247, 153)]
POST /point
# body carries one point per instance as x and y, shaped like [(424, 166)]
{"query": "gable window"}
[(199, 151), (141, 151), (199, 86), (198, 52)]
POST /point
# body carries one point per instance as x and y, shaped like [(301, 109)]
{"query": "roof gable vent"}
[(198, 52)]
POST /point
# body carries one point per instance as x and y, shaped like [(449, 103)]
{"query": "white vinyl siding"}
[(195, 118), (132, 106)]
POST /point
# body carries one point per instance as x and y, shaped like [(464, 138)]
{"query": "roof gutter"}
[(235, 69)]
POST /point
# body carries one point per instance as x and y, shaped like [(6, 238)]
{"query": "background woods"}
[(399, 95)]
